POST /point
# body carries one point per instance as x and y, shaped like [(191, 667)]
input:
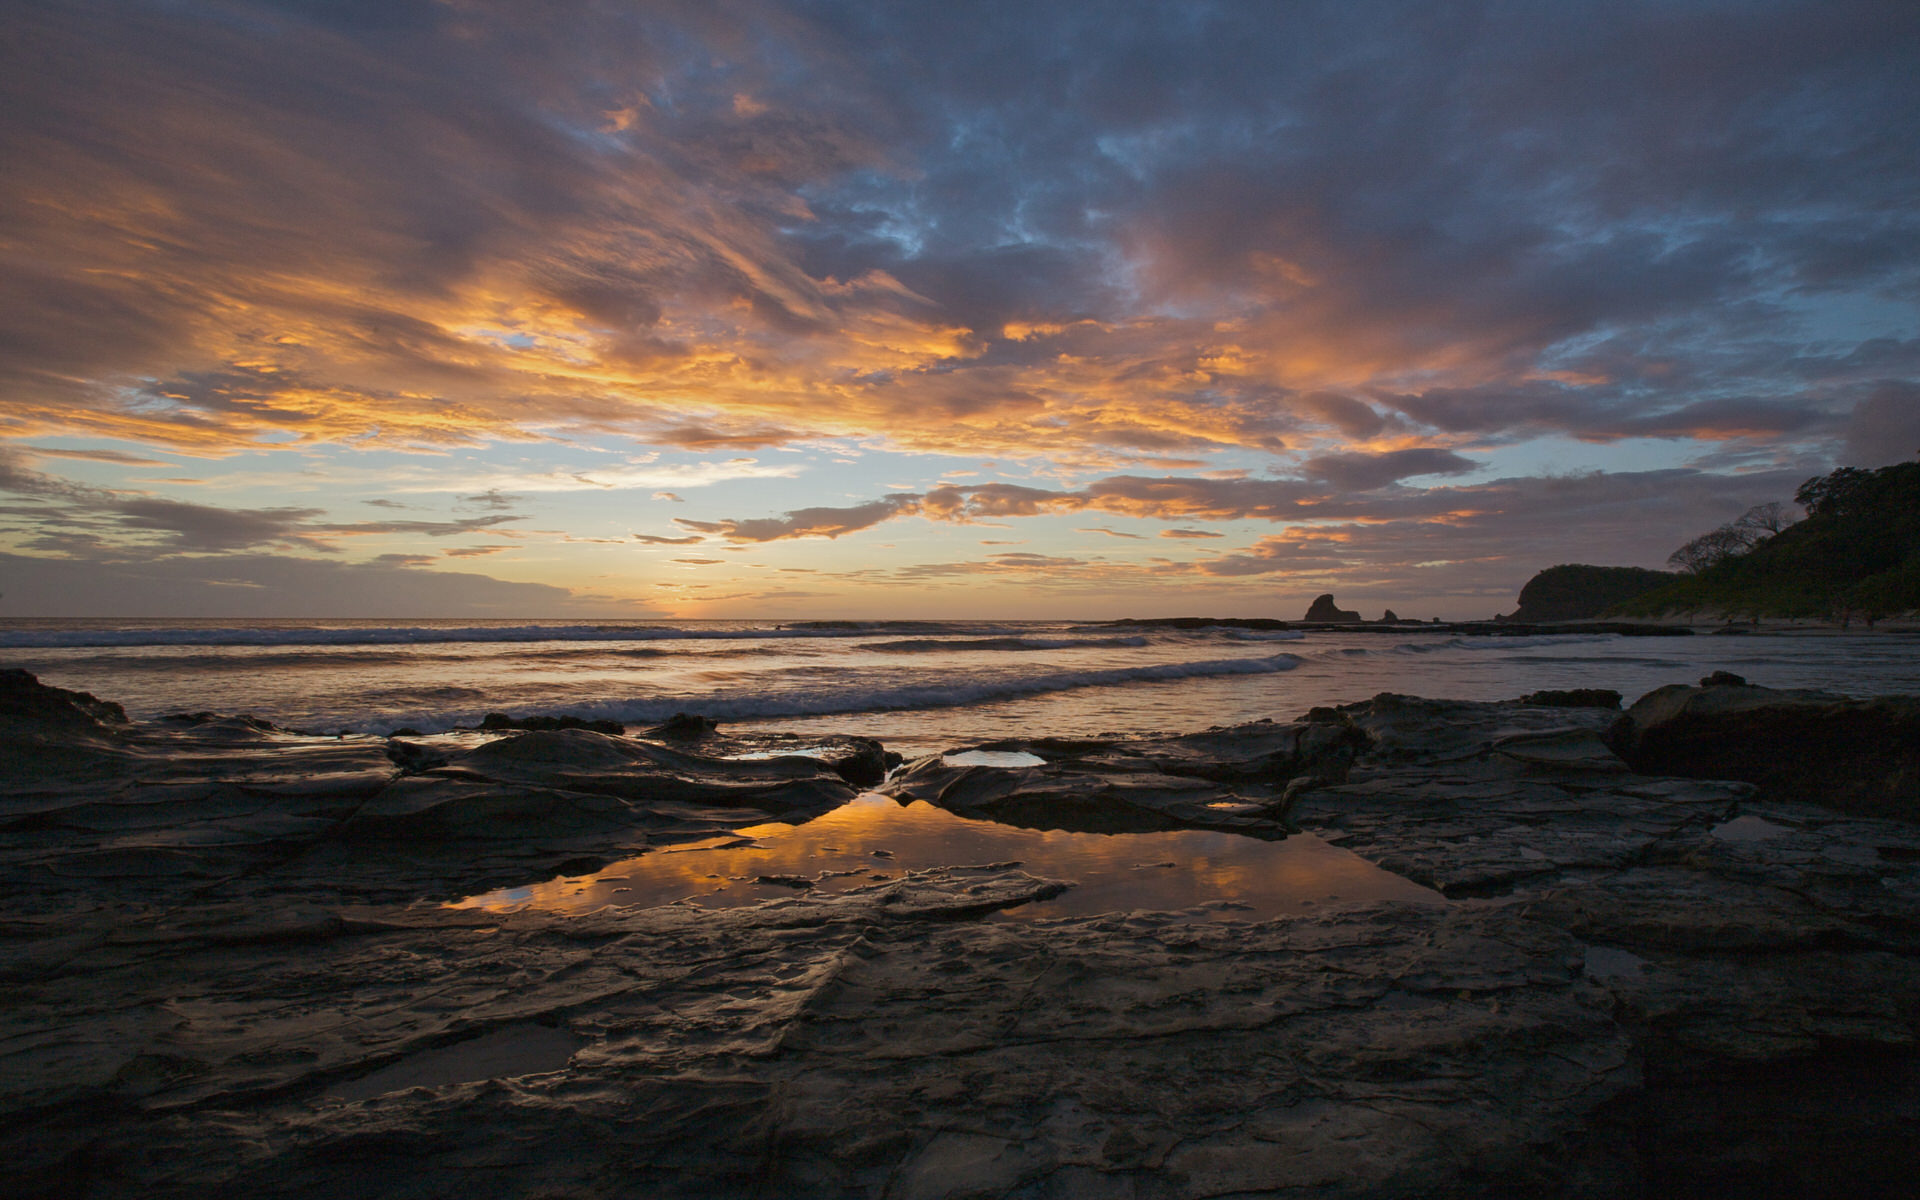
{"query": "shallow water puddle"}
[(993, 758), (523, 1049), (874, 838)]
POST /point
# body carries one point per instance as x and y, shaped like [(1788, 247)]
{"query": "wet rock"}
[(498, 722), (683, 725), (431, 811), (565, 790), (202, 720), (1661, 985), (413, 757), (26, 704), (1497, 799), (866, 765), (761, 1051), (1561, 750), (1232, 779), (1858, 756), (113, 814), (1574, 698)]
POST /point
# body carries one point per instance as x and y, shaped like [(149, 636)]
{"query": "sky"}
[(478, 308)]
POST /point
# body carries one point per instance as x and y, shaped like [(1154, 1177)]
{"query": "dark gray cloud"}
[(654, 539), (116, 457), (1346, 414), (155, 524), (807, 522), (202, 527), (265, 585), (492, 499), (1884, 428), (1358, 471), (435, 529)]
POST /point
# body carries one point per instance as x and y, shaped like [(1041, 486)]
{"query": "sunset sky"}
[(713, 309)]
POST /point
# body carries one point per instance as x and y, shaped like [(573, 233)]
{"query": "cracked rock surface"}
[(228, 973)]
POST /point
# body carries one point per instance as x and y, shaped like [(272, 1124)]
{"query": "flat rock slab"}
[(1231, 779), (96, 811), (871, 1044)]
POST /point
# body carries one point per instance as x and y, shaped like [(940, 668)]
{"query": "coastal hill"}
[(1856, 556), (1576, 591)]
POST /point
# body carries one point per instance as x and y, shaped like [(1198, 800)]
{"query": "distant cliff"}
[(1575, 591)]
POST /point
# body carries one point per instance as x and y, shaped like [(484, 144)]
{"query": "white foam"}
[(726, 706)]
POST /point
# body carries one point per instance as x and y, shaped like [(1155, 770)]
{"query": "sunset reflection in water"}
[(874, 838)]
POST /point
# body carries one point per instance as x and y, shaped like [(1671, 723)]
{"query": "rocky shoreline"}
[(1661, 967)]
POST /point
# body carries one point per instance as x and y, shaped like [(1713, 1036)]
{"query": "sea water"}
[(919, 687)]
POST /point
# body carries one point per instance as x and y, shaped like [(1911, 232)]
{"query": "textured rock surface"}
[(1860, 756), (1644, 987), (96, 811), (1232, 779)]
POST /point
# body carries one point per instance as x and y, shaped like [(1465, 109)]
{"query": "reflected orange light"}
[(836, 851)]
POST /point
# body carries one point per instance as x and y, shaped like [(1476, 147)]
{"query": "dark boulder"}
[(26, 703), (682, 725), (1857, 756), (219, 722), (1323, 609), (1237, 779), (501, 722), (1574, 698), (413, 758), (864, 762)]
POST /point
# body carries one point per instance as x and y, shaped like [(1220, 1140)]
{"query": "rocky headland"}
[(1578, 592), (1659, 959)]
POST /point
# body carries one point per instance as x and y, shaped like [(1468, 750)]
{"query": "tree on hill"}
[(1736, 537), (1856, 556)]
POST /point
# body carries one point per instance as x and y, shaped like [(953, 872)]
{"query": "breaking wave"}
[(938, 645), (740, 706)]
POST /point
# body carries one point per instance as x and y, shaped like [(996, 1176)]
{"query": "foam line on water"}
[(733, 706)]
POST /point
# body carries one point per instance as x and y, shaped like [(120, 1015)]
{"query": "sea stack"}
[(1324, 609)]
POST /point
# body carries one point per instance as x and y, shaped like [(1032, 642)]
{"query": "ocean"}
[(918, 686)]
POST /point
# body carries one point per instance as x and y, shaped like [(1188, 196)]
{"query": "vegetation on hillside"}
[(1855, 557), (1575, 591)]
